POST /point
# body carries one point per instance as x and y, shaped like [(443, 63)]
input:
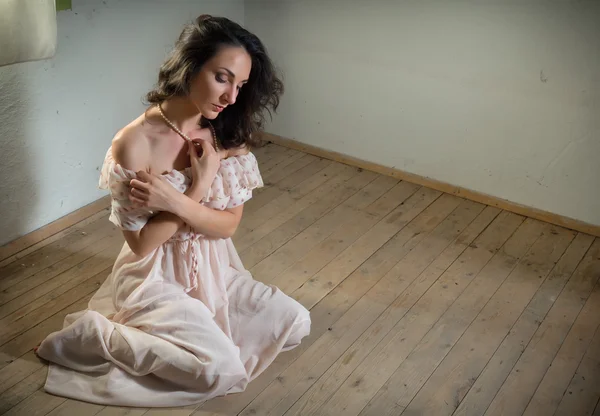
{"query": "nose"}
[(231, 95)]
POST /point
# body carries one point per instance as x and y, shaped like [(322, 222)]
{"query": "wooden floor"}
[(422, 303)]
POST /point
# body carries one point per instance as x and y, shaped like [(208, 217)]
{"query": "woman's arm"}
[(208, 221), (178, 209), (156, 231), (184, 208), (152, 191), (130, 151)]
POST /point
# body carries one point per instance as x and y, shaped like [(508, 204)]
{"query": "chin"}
[(209, 114)]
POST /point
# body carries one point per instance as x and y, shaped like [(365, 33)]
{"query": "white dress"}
[(181, 325)]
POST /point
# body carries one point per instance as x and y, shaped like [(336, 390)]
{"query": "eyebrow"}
[(230, 73)]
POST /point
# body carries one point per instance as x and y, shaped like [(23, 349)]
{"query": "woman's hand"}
[(153, 192), (204, 167)]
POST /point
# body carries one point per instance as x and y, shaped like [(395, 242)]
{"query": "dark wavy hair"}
[(199, 42)]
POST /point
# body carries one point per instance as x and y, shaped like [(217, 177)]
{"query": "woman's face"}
[(220, 80)]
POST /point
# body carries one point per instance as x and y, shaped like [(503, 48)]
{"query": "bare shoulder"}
[(131, 147)]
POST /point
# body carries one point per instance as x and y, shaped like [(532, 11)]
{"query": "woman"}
[(180, 320)]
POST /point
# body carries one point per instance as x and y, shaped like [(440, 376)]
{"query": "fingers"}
[(139, 194), (134, 183), (192, 149), (138, 202), (207, 147), (138, 197)]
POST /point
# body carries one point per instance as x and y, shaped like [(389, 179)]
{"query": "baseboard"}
[(52, 231), (526, 211)]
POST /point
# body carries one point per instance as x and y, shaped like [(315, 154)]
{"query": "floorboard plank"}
[(52, 253), (87, 281), (22, 390), (583, 392), (512, 375), (270, 192), (320, 255), (391, 228), (344, 216), (34, 292), (304, 216), (279, 211), (555, 382), (39, 403), (17, 360)]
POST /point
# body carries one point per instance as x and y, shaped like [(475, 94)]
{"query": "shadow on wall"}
[(18, 189)]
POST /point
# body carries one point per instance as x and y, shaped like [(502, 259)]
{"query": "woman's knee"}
[(227, 362), (225, 370)]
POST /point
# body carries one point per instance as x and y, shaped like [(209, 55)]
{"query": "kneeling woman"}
[(179, 320)]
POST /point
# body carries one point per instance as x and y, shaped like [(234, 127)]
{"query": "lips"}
[(218, 108)]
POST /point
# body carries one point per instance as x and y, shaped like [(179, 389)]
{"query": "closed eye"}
[(223, 79)]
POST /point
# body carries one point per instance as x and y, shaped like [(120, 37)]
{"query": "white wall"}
[(499, 97), (57, 117)]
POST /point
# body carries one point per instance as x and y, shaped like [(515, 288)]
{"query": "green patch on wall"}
[(63, 5)]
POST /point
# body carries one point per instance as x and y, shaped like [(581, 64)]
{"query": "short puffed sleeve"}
[(237, 177), (116, 179)]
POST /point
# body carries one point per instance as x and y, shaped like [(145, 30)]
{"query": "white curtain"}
[(27, 30)]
